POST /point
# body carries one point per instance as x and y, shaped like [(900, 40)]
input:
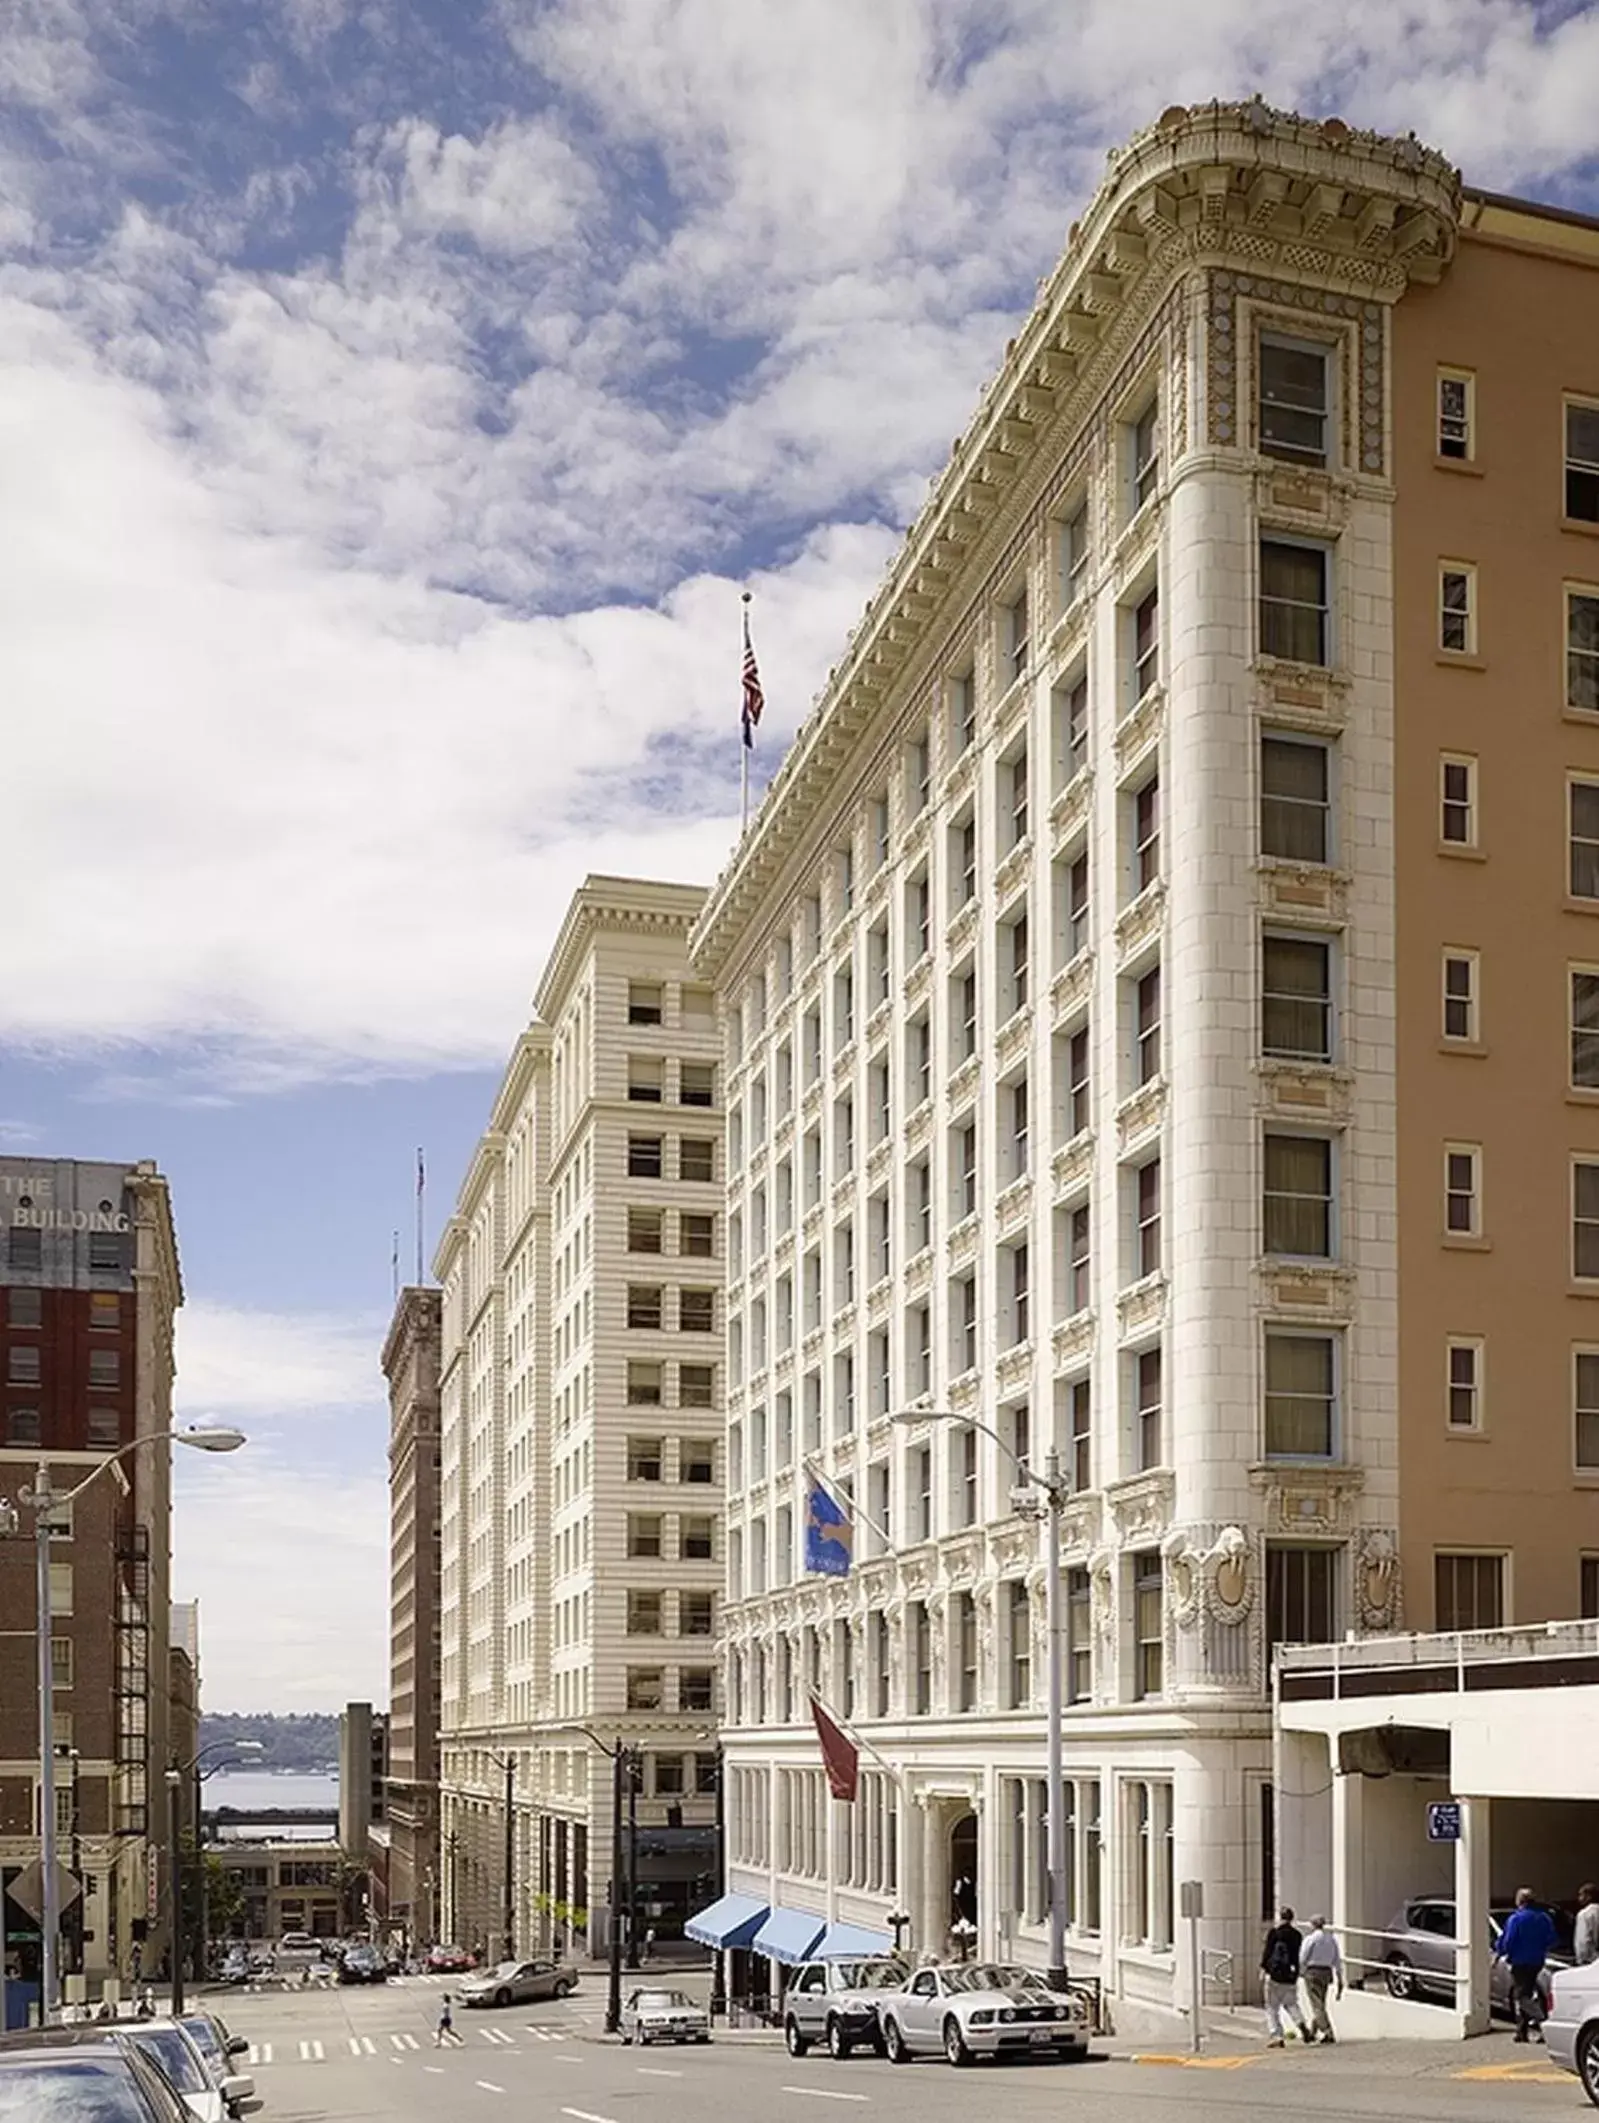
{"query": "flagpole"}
[(746, 736), (845, 1503), (850, 1732), (421, 1190)]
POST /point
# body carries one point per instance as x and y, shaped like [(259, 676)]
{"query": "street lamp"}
[(44, 1502), (507, 1763), (1040, 1496), (176, 1773), (621, 1757)]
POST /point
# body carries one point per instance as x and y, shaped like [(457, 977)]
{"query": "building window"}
[(1079, 1637), (1146, 835), (646, 1079), (1146, 643), (1295, 805), (22, 1365), (1293, 601), (963, 1171), (918, 919), (644, 1533), (1069, 720), (1301, 1595), (106, 1250), (1019, 1641), (1079, 1083), (918, 774), (1582, 650), (696, 1460), (1586, 1409), (668, 1775), (1013, 820), (1585, 1221), (1582, 462), (1014, 636), (1298, 1197), (696, 1614), (1147, 1028), (966, 1651), (963, 863), (962, 713), (61, 1656), (644, 1003), (918, 1060), (1293, 401), (696, 1385), (1147, 1416), (877, 966), (1149, 1676), (1080, 1398), (1077, 909), (644, 1304), (22, 1426), (644, 1388), (1015, 1127), (1074, 556), (1456, 415), (25, 1247), (25, 1307), (1463, 1190), (644, 1688), (644, 1459), (1079, 1265), (696, 1160), (1301, 1396), (963, 1310), (645, 1228), (696, 1311), (963, 997), (1457, 783), (1296, 1008), (1584, 839), (1585, 1028), (697, 1541), (1145, 440), (1147, 1251), (104, 1426), (1020, 1294), (1017, 940), (1457, 608), (696, 1084), (919, 1631), (1588, 1588), (696, 1236), (1468, 1591), (1460, 995), (644, 1156), (643, 1613), (1463, 1361)]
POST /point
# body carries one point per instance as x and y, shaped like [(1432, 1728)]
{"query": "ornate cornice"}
[(609, 904), (1227, 184)]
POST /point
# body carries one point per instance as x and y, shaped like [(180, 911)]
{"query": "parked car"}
[(1571, 2032), (219, 2046), (178, 2058), (664, 2016), (971, 2009), (519, 1983), (363, 1964), (448, 1960), (296, 1949), (60, 2075), (238, 1965), (836, 2002), (1417, 1950)]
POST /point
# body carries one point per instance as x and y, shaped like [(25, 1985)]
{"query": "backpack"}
[(1280, 1961)]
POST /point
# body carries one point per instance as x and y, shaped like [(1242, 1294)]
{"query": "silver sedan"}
[(519, 1983), (664, 2016)]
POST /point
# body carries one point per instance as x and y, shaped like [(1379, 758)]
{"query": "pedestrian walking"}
[(1586, 1940), (445, 2031), (1524, 1946), (1321, 1966), (1279, 1968)]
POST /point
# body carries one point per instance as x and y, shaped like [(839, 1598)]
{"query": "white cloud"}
[(235, 1363)]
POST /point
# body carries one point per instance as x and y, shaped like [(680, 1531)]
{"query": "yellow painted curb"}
[(1517, 2074), (1199, 2063)]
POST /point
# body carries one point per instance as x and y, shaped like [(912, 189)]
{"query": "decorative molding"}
[(965, 1080), (1140, 1506), (919, 1126), (1377, 1581), (1014, 870), (1142, 1114), (1217, 1580), (1142, 1305), (1073, 1166), (1071, 810), (962, 1241), (1141, 921), (1073, 984), (1307, 1499), (1303, 891), (961, 779), (1015, 1366), (1309, 1289), (962, 929), (1140, 732), (1069, 1340), (1304, 1090)]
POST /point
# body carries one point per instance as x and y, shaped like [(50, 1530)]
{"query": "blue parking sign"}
[(1443, 1821)]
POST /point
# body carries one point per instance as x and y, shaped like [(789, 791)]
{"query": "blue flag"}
[(829, 1535)]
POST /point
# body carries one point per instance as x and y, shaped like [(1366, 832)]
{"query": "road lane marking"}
[(312, 2052), (489, 2086), (260, 2053), (825, 2093), (655, 2071), (495, 2034), (362, 2046), (405, 2041), (436, 2069), (583, 2116), (1199, 2063)]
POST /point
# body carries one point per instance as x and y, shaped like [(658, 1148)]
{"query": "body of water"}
[(257, 1790)]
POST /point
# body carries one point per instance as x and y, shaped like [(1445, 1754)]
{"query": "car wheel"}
[(797, 2044), (1401, 1976), (1588, 2063), (563, 1989), (502, 1997), (955, 2049), (839, 2044), (894, 2044)]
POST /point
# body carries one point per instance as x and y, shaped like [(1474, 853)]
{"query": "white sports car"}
[(972, 2009), (664, 2016)]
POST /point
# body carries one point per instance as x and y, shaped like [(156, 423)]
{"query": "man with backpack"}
[(1279, 1968)]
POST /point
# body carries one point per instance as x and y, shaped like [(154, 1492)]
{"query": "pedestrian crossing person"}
[(445, 2031)]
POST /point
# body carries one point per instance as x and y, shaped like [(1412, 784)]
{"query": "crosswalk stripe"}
[(312, 2052), (404, 2041), (362, 2046), (260, 2053)]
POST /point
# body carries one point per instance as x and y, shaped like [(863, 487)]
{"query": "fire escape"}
[(132, 1687)]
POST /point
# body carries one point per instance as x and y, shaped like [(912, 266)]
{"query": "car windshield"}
[(175, 2054), (70, 2091), (867, 1975), (202, 2032), (987, 1975), (501, 1970), (662, 2001)]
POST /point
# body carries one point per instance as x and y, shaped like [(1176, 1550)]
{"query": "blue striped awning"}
[(733, 1921), (789, 1935), (842, 1940)]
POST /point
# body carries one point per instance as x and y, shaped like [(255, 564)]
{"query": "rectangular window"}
[(1080, 1261), (1585, 1221), (61, 1588), (697, 1541), (644, 1385), (1457, 783), (61, 1651), (25, 1307), (1147, 1423), (696, 1084), (1020, 1294), (1296, 1003), (920, 1472), (919, 1207), (696, 1160), (1081, 1410), (1463, 1190), (1015, 637), (1295, 805), (1460, 995), (1019, 1640), (644, 1688), (919, 1632), (1582, 652), (1079, 1082), (644, 1003), (843, 1136), (963, 1153), (1588, 1588), (962, 713), (645, 1229), (1146, 643), (1293, 601), (963, 1307), (844, 877), (1145, 454), (646, 1079), (965, 1651), (1077, 910), (1584, 1028), (696, 1614), (1146, 835), (644, 1459), (1301, 1396), (104, 1426), (964, 1470), (1147, 1251), (1079, 1637), (696, 1385), (1301, 1595), (918, 774), (644, 1534), (22, 1365), (963, 999), (1069, 721), (1457, 608), (696, 1460), (106, 1250), (1147, 1027), (1582, 462), (1456, 411), (918, 919), (1074, 556), (1013, 823), (918, 1060), (1298, 1202), (1469, 1591), (644, 1304), (644, 1156), (24, 1247), (1463, 1384), (1293, 401), (1014, 1129), (1149, 1675), (696, 1236), (22, 1426), (1584, 832), (1017, 939), (1586, 1409), (962, 863)]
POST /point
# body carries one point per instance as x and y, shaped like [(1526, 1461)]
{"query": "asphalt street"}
[(336, 2056)]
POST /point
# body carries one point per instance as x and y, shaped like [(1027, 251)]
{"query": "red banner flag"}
[(840, 1756)]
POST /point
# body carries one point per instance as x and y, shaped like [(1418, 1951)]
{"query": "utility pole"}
[(613, 2005), (635, 1774), (175, 1887), (508, 1913)]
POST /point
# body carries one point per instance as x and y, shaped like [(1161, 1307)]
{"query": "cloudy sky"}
[(394, 396)]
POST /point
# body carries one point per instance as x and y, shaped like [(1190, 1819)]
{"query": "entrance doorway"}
[(963, 1885)]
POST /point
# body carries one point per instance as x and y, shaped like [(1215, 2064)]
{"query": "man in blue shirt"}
[(1524, 1944)]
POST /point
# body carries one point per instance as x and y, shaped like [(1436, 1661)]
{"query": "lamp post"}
[(507, 1763), (176, 1773), (621, 1757), (1045, 1497), (44, 1502)]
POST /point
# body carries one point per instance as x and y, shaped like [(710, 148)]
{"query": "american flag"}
[(754, 698)]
